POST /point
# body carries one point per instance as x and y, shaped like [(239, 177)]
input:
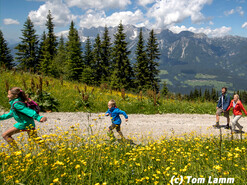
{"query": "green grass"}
[(68, 97)]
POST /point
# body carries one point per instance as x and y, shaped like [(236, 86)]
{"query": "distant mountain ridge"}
[(190, 60)]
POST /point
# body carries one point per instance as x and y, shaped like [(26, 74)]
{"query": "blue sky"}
[(214, 18)]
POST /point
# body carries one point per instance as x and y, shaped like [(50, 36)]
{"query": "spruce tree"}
[(27, 54), (153, 56), (74, 55), (88, 56), (106, 56), (41, 49), (122, 75), (5, 55), (97, 61), (49, 47), (88, 72), (141, 65), (164, 90), (51, 37), (60, 59)]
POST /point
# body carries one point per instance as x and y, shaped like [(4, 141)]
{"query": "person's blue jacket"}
[(114, 112), (226, 102)]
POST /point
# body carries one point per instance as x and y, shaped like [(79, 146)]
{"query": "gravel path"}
[(139, 126)]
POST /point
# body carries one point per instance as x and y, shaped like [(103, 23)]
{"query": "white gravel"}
[(139, 126)]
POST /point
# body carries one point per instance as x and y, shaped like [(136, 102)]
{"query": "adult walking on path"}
[(222, 106), (237, 106)]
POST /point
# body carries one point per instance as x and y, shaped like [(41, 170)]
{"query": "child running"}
[(114, 112), (237, 113), (22, 114)]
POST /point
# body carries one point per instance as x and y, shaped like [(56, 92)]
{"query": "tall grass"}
[(74, 96)]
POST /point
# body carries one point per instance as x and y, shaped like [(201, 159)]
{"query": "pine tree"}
[(74, 54), (97, 61), (106, 56), (51, 38), (141, 65), (153, 55), (88, 72), (164, 90), (41, 49), (60, 59), (88, 56), (5, 55), (122, 74), (27, 54)]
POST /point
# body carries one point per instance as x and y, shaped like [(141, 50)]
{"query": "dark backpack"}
[(30, 104)]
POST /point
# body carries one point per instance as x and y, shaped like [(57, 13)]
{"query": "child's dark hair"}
[(20, 93)]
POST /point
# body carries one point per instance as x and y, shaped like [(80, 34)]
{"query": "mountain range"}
[(190, 60)]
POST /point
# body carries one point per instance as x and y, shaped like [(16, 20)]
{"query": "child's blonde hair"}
[(112, 103)]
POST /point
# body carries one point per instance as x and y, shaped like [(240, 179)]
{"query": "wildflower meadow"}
[(81, 155)]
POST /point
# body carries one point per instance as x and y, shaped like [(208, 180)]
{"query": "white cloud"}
[(244, 25), (96, 19), (230, 12), (145, 2), (98, 4), (60, 12), (10, 21), (218, 32), (238, 10), (63, 33), (169, 12)]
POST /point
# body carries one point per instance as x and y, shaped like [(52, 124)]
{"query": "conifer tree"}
[(49, 47), (88, 56), (97, 61), (153, 56), (60, 59), (164, 90), (41, 49), (27, 54), (106, 56), (88, 72), (51, 37), (5, 55), (141, 65), (74, 55), (122, 75)]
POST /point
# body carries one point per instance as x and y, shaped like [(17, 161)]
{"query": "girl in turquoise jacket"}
[(22, 114)]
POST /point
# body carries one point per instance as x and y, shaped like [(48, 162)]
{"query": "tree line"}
[(100, 62)]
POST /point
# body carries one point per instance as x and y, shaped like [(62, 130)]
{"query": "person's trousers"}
[(235, 122)]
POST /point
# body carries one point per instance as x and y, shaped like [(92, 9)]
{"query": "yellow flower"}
[(77, 166), (56, 180)]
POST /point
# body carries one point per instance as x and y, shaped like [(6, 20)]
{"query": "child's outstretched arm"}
[(124, 114), (7, 116), (20, 107), (107, 113)]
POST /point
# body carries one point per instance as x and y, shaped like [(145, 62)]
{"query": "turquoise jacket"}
[(22, 114)]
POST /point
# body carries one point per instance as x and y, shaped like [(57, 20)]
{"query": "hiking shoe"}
[(216, 126), (227, 127)]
